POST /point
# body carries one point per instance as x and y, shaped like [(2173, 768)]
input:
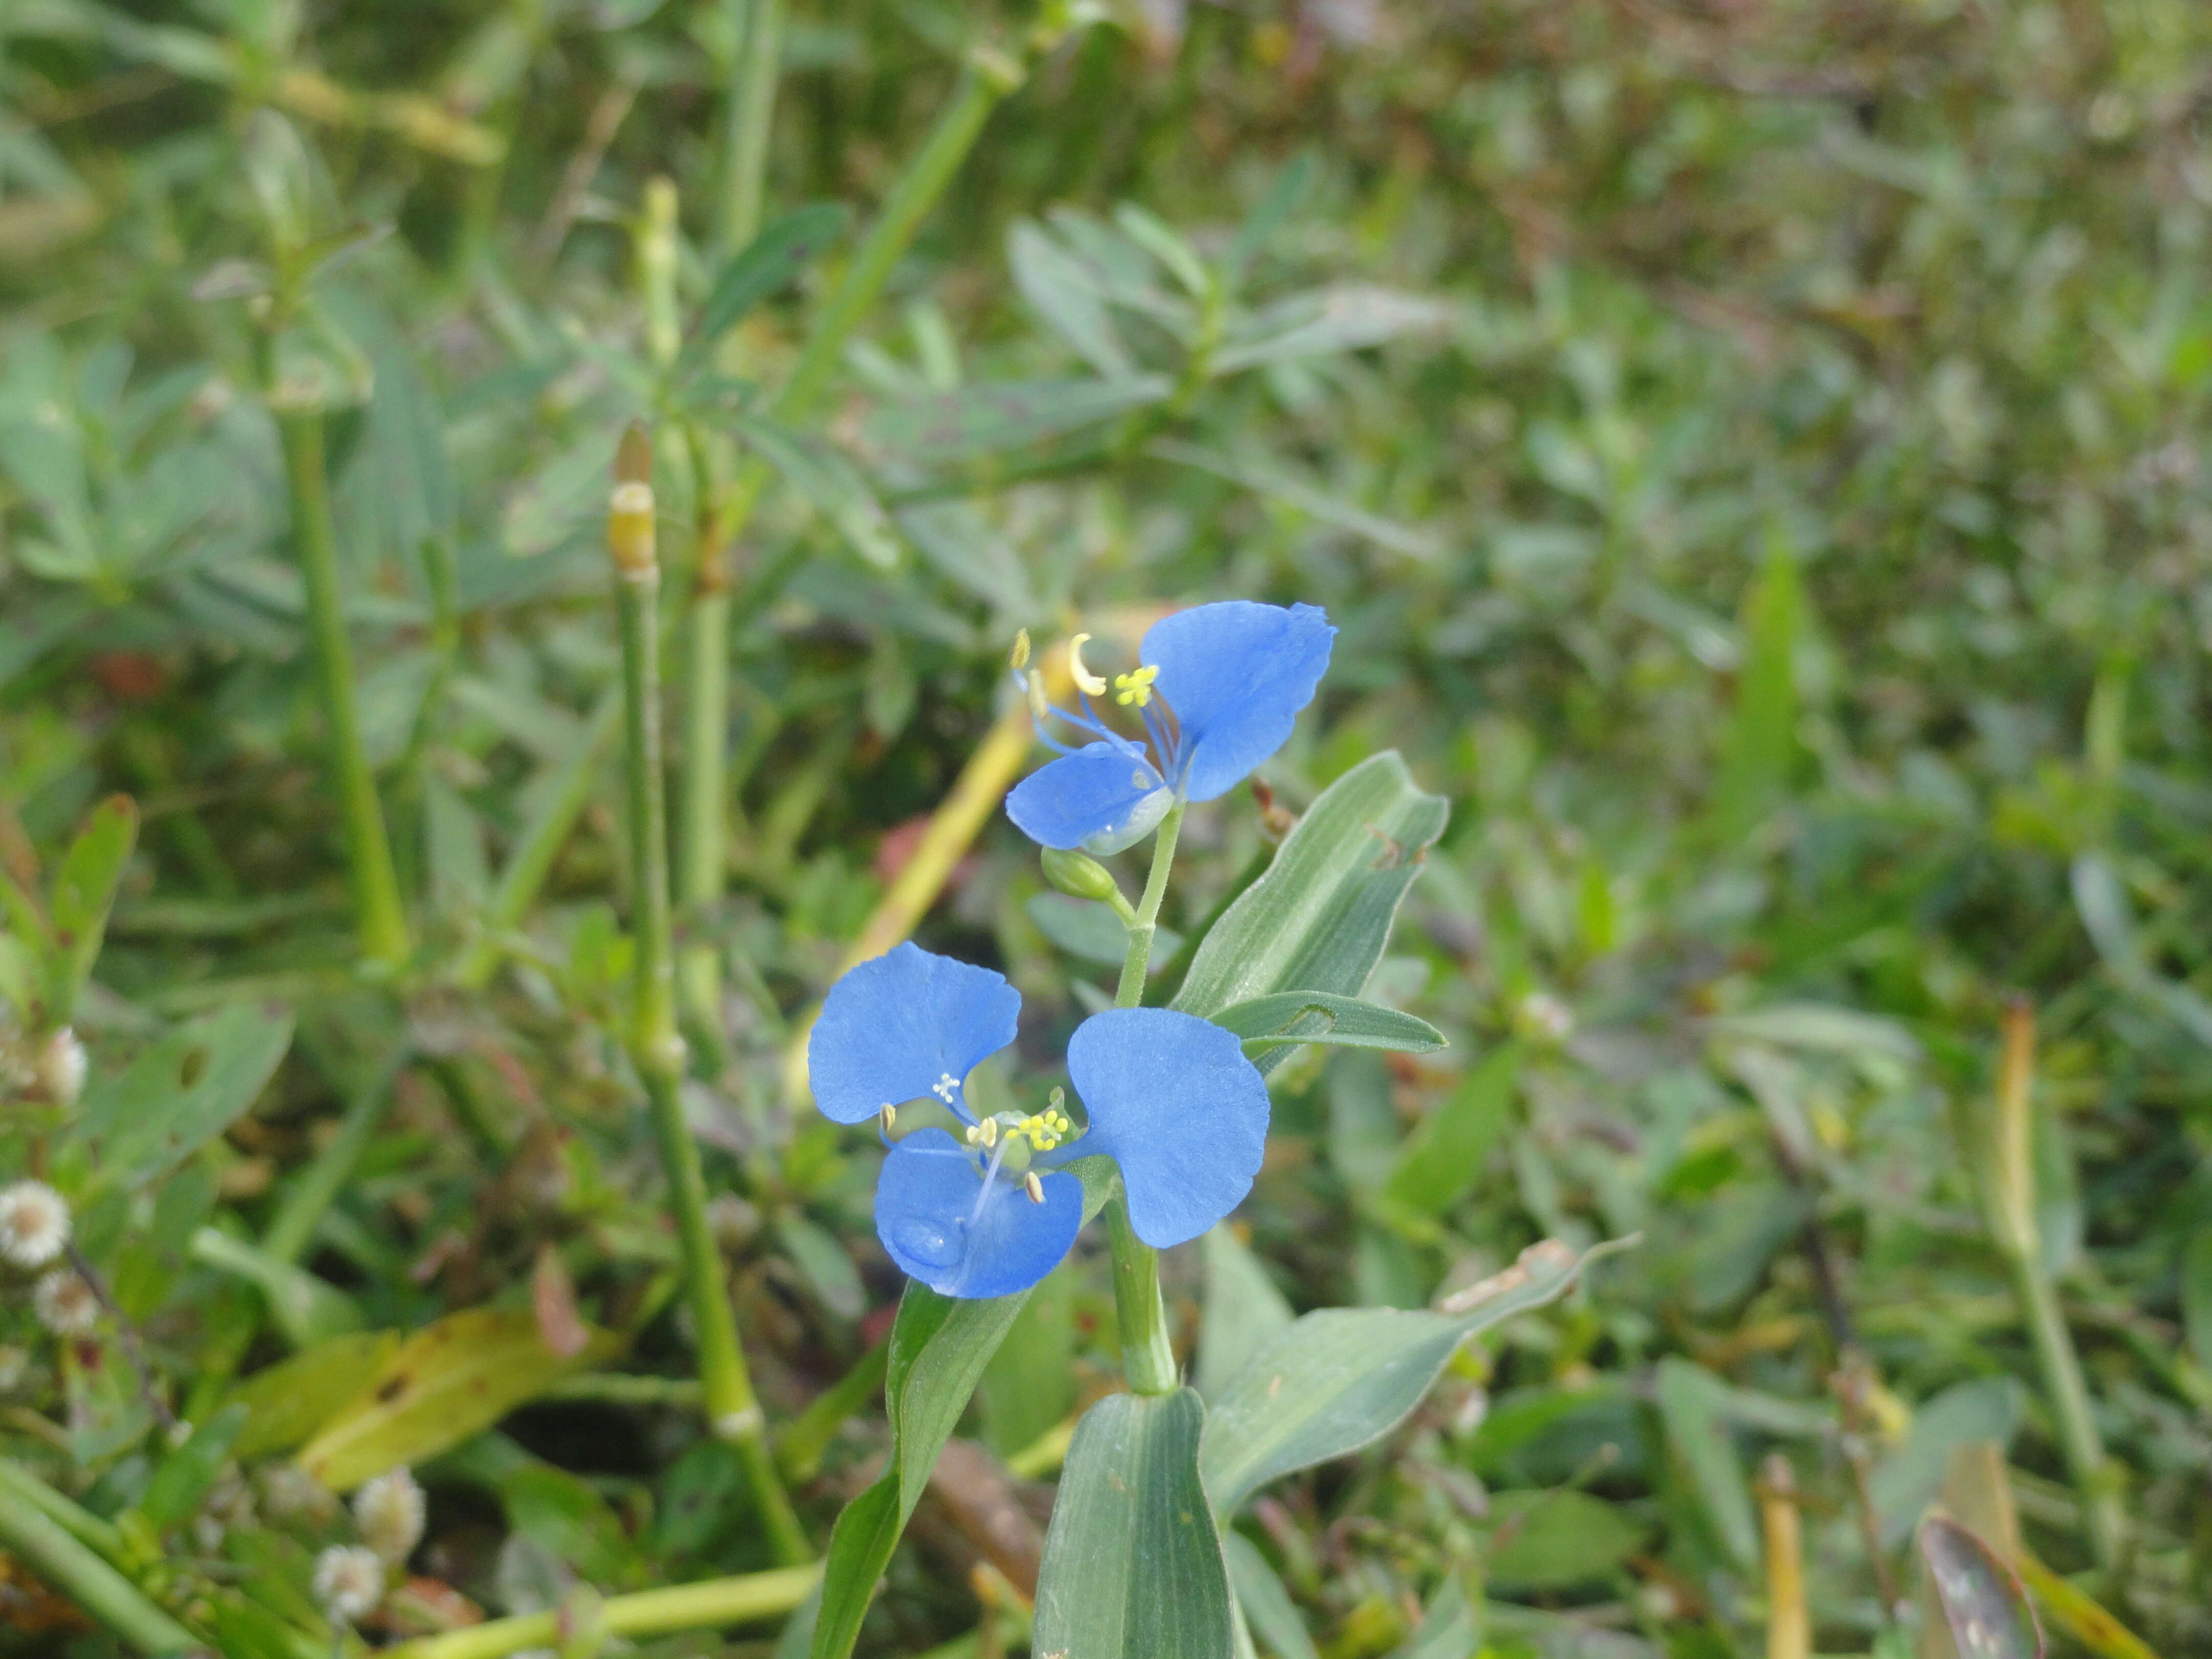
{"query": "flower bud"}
[(61, 1067), (1079, 875), (388, 1510)]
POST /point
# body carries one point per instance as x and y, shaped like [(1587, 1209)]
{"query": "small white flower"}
[(388, 1509), (348, 1582), (61, 1067), (65, 1304), (293, 1494), (34, 1224)]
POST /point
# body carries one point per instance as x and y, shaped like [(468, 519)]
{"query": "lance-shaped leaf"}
[(764, 265), (978, 420), (1983, 1603), (84, 892), (826, 477), (1133, 1566), (181, 1093), (1338, 1378), (1692, 1403), (1295, 1017), (1317, 921), (287, 1401), (310, 1311)]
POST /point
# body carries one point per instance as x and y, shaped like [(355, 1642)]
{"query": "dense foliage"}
[(1750, 454)]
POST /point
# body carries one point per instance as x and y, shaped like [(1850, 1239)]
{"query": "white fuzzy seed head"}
[(348, 1582), (61, 1067), (34, 1224), (389, 1512), (65, 1304)]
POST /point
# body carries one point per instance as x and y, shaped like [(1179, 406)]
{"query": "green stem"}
[(747, 118), (732, 1411), (376, 885), (29, 1531), (1147, 1356), (531, 861), (702, 846), (2103, 1508), (714, 1601), (1137, 959)]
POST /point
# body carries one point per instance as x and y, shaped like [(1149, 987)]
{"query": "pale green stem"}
[(382, 920), (531, 860), (703, 1606), (1147, 1356), (732, 1410), (748, 117), (30, 1532), (2104, 1510), (702, 833)]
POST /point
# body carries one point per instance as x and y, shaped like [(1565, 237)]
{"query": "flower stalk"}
[(702, 1606), (30, 1532), (1147, 1355), (732, 1410)]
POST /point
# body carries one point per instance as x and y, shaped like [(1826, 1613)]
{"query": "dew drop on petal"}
[(924, 1240)]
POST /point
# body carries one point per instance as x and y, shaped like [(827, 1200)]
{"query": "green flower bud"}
[(1079, 875)]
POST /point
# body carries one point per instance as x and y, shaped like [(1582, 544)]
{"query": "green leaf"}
[(826, 477), (308, 1309), (1694, 1404), (1060, 291), (1243, 1310), (1276, 484), (1133, 1567), (286, 1402), (1760, 744), (186, 1473), (1347, 318), (2196, 1295), (1338, 1378), (1295, 1016), (979, 420), (181, 1093), (1318, 919), (1983, 1603), (1551, 1540), (83, 893), (445, 1383), (1091, 933), (1268, 1606), (1438, 1163), (939, 1349), (770, 260)]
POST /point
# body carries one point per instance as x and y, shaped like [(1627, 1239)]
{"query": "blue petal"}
[(1174, 1101), (927, 1217), (1236, 674), (892, 1029), (1100, 798)]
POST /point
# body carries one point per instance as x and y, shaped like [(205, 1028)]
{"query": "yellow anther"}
[(1033, 1186), (1040, 710), (988, 1128), (1088, 683), (1136, 686), (891, 1116), (1021, 657)]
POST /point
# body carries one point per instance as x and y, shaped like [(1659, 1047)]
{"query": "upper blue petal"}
[(1173, 1101), (1100, 797), (1236, 674), (894, 1027), (927, 1218)]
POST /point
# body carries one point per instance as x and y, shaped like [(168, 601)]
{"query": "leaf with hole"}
[(1295, 1017), (181, 1093)]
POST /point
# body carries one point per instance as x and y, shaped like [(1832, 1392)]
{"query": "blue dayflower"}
[(1218, 687), (1169, 1098)]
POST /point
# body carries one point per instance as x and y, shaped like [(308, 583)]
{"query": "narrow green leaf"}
[(1439, 1161), (1318, 919), (2196, 1295), (1271, 212), (83, 893), (1243, 1310), (764, 265), (1982, 1602), (308, 1309), (1268, 1606), (182, 1093), (1692, 1403), (187, 1473), (978, 420), (1088, 930), (826, 477), (286, 1402), (1133, 1567), (1061, 292), (1760, 743), (1295, 1016), (1340, 1377), (1346, 317), (860, 1544)]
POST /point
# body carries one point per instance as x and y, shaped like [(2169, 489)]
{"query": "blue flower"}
[(1218, 688), (1169, 1098)]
